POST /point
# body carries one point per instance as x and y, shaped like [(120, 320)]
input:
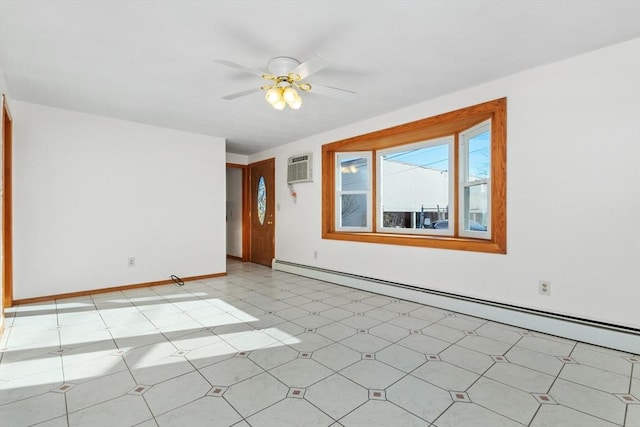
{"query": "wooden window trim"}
[(432, 127)]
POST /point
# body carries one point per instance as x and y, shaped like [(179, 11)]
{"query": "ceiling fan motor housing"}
[(281, 66)]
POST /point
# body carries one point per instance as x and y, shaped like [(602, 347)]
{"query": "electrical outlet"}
[(132, 261), (544, 287)]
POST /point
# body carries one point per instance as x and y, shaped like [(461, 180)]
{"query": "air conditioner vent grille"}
[(299, 169)]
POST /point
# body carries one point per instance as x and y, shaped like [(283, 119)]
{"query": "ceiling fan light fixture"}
[(290, 94), (279, 97), (275, 98), (274, 95), (293, 99), (279, 105), (296, 103)]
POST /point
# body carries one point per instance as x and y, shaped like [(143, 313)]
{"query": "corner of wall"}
[(238, 159), (3, 84)]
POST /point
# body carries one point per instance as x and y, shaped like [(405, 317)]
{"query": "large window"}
[(438, 182)]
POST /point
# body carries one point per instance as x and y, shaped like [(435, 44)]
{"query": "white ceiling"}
[(152, 61)]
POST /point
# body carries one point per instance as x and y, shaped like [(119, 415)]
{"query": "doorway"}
[(237, 215), (262, 212)]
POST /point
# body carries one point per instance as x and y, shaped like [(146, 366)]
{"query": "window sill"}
[(439, 242)]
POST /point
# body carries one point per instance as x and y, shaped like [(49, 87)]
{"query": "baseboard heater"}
[(599, 333)]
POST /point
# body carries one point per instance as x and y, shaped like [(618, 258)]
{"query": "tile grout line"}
[(576, 409), (342, 324), (483, 376), (253, 291), (62, 363), (634, 366)]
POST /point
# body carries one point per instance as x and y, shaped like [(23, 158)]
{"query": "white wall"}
[(573, 132), (90, 191), (3, 84), (234, 212), (238, 159)]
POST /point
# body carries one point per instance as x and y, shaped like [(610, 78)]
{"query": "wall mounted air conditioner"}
[(299, 169)]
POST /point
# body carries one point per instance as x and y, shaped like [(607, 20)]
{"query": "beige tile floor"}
[(266, 348)]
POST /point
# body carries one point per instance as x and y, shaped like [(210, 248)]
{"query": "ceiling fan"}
[(285, 75)]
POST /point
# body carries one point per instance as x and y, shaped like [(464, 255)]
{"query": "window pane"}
[(262, 200), (476, 201), (353, 210), (354, 173), (397, 219), (479, 163), (415, 186)]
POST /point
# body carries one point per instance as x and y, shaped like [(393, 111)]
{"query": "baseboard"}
[(599, 333), (112, 289), (237, 258)]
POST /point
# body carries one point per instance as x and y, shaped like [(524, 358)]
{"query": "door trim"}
[(7, 205)]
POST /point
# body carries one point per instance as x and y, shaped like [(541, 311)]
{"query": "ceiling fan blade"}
[(310, 66), (344, 94), (240, 94), (239, 67)]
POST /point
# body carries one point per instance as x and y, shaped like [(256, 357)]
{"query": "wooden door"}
[(262, 211)]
